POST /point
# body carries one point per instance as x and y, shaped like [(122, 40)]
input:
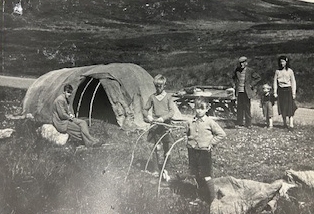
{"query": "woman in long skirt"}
[(285, 90)]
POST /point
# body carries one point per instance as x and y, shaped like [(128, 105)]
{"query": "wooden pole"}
[(165, 161), (132, 156), (155, 146), (81, 97), (91, 104)]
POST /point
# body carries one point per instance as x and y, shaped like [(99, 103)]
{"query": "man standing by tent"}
[(244, 81), (65, 122)]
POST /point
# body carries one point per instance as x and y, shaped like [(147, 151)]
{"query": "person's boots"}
[(211, 191)]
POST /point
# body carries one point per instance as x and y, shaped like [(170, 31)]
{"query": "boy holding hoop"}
[(162, 106)]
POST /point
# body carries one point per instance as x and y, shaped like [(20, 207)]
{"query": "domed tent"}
[(115, 93)]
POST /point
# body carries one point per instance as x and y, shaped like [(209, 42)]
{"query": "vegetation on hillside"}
[(161, 10), (191, 42)]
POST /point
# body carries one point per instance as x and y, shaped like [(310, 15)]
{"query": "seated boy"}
[(162, 111)]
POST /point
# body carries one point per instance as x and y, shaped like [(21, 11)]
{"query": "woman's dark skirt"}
[(286, 104)]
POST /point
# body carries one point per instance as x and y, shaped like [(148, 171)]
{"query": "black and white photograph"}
[(157, 107)]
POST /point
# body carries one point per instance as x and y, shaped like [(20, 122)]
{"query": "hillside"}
[(190, 41), (165, 10)]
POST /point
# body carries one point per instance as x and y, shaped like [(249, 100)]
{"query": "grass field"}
[(38, 177)]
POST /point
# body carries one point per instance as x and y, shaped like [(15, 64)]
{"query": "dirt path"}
[(16, 82), (303, 116)]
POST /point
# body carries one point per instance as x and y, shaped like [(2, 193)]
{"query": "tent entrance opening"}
[(101, 107)]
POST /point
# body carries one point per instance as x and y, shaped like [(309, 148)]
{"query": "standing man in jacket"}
[(244, 81)]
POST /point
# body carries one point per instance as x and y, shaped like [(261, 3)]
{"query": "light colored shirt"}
[(204, 132), (161, 96), (241, 80), (285, 78), (162, 106)]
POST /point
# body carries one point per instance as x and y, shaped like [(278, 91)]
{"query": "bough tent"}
[(115, 93)]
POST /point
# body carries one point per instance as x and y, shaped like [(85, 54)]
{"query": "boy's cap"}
[(266, 86), (242, 59)]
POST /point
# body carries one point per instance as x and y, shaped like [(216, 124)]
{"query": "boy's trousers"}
[(153, 136)]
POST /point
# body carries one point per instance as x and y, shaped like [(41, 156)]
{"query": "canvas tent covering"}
[(242, 196), (115, 93)]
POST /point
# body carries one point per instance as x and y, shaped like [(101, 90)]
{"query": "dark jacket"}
[(268, 98), (251, 80)]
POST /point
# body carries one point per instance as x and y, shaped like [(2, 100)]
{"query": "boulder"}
[(50, 133), (6, 133)]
